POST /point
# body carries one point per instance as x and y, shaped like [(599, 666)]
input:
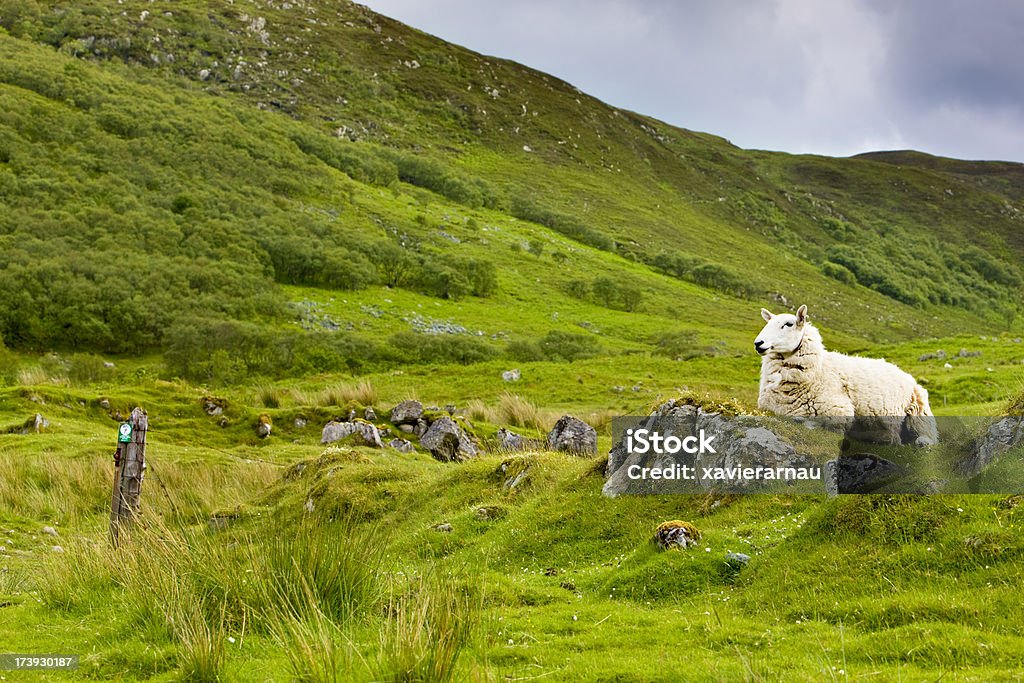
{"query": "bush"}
[(839, 272), (527, 210), (679, 345), (568, 346), (524, 351), (411, 347)]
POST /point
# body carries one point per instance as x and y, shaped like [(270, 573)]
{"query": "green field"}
[(301, 209)]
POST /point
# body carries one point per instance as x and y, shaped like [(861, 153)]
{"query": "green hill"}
[(318, 145), (297, 210)]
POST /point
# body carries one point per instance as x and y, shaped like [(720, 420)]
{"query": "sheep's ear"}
[(766, 314), (801, 315)]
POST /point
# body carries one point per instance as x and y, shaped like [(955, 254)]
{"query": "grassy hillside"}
[(392, 138), (303, 208)]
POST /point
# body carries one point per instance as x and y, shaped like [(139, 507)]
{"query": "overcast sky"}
[(832, 77)]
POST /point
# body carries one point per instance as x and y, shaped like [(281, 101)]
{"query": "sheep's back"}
[(875, 386)]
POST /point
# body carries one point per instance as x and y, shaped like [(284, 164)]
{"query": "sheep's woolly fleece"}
[(799, 377)]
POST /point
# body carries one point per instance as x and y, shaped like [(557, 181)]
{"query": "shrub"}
[(578, 289), (568, 346), (838, 272), (411, 347), (680, 345)]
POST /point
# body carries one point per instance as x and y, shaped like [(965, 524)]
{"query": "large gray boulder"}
[(573, 435), (360, 431), (740, 443), (407, 412), (447, 442)]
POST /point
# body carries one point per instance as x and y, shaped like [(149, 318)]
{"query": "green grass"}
[(335, 572), (273, 221)]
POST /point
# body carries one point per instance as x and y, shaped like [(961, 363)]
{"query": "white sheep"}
[(800, 378)]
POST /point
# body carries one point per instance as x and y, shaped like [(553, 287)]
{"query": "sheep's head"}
[(782, 333)]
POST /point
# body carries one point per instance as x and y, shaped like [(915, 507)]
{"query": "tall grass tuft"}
[(427, 629), (519, 412), (31, 375), (333, 568), (478, 411), (269, 396), (315, 645), (363, 393)]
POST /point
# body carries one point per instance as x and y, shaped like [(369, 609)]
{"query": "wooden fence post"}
[(129, 469)]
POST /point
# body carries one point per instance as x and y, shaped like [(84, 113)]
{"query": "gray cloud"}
[(836, 77)]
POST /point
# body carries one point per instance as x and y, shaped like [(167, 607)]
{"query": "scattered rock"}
[(370, 415), (487, 513), (447, 442), (408, 429), (401, 445), (737, 559), (49, 531), (105, 404), (364, 433), (444, 527), (510, 441), (107, 364), (964, 353), (939, 355), (37, 424), (948, 366), (516, 471), (420, 428), (309, 506), (204, 74), (407, 412), (676, 534), (263, 426), (57, 549), (511, 375), (300, 423), (573, 435), (213, 405)]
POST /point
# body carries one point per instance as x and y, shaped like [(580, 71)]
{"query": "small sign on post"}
[(129, 469)]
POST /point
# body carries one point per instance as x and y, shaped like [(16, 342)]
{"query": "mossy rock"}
[(676, 534), (490, 512)]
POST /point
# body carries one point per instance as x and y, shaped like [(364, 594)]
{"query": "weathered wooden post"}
[(129, 469)]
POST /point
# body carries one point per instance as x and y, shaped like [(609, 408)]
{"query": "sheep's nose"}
[(758, 344)]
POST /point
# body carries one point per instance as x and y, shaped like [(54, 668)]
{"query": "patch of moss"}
[(1016, 405), (729, 407)]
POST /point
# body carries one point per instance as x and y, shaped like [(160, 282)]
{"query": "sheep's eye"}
[(787, 324)]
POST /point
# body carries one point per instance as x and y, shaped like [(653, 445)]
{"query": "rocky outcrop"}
[(511, 375), (573, 435), (361, 432), (447, 441), (1000, 437), (740, 443), (861, 473)]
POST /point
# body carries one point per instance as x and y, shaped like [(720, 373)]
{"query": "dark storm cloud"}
[(949, 51), (835, 77)]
